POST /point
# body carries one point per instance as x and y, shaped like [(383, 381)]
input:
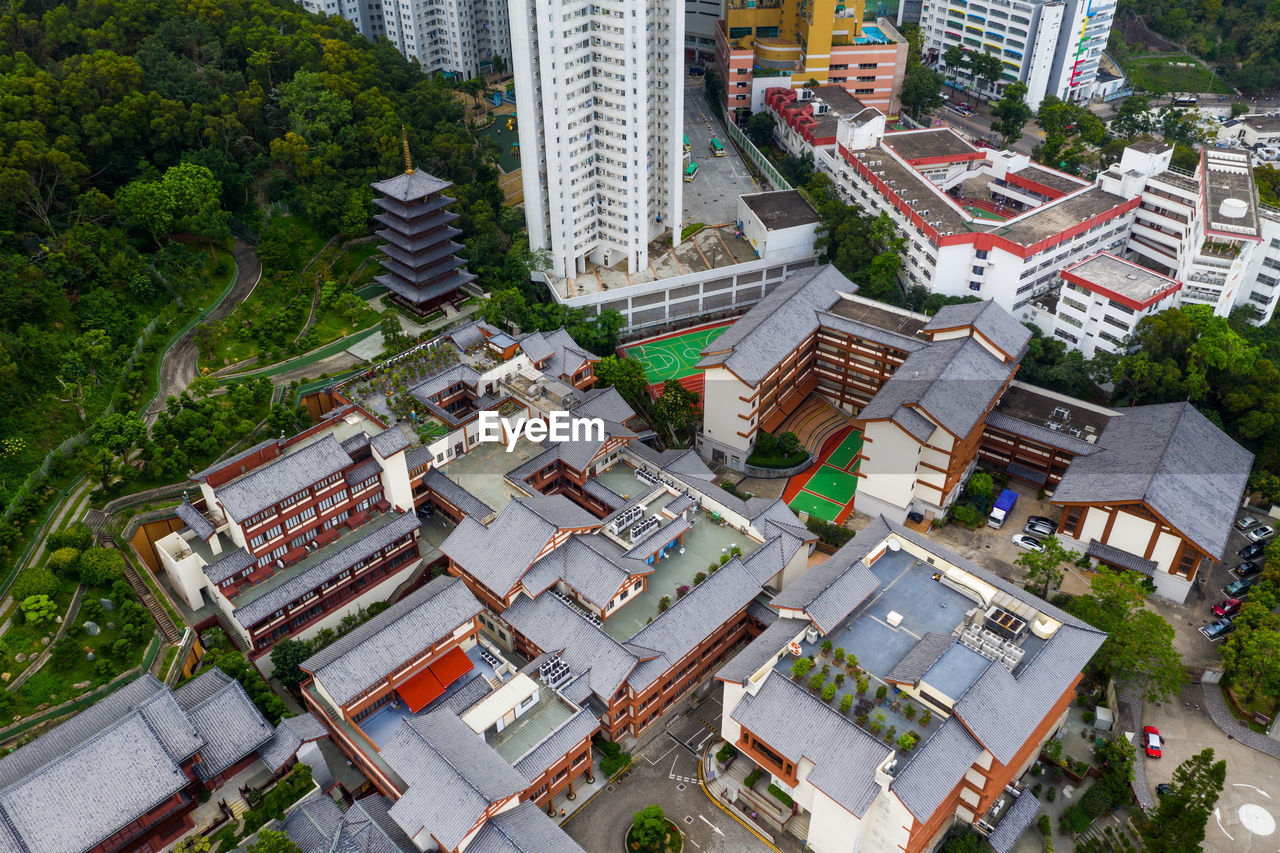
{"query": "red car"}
[(1227, 608), (1151, 741)]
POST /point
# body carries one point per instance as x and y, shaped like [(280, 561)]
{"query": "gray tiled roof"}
[(456, 495), (194, 519), (1002, 710), (270, 483), (605, 403), (691, 619), (917, 425), (524, 829), (366, 470), (1015, 822), (452, 774), (761, 650), (410, 186), (471, 334), (1173, 459), (461, 696), (831, 590), (552, 625), (954, 382), (567, 357), (447, 377), (318, 825), (795, 724), (417, 457), (228, 564), (1040, 433), (357, 441), (916, 662), (996, 324), (390, 441), (560, 511), (761, 612), (341, 555), (934, 769), (291, 733), (100, 786), (679, 504), (604, 494), (499, 554), (231, 726), (777, 323), (556, 745), (364, 657), (1121, 558), (591, 565), (535, 346)]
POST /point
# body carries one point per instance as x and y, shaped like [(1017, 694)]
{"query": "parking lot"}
[(712, 197)]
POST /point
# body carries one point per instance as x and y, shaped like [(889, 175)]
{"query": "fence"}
[(753, 155)]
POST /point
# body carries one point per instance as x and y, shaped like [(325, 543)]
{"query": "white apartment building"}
[(600, 94), (1205, 229), (1053, 47), (1101, 301), (460, 38)]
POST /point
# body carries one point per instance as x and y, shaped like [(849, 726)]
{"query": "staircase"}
[(164, 622), (921, 526)]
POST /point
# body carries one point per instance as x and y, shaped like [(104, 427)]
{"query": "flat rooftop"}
[(1056, 217), (1230, 195), (880, 316), (1264, 123), (481, 470), (781, 209), (1039, 407), (919, 192), (935, 142), (532, 727), (1049, 178), (1120, 276)]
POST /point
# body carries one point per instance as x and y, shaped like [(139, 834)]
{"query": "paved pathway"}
[(1131, 701), (180, 363), (1216, 704)]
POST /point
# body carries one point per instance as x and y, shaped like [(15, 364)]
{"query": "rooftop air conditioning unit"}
[(811, 635)]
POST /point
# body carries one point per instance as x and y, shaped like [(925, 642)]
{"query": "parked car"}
[(1029, 542), (1240, 588), (1163, 788), (1217, 629), (1035, 528), (961, 110), (1042, 519), (1253, 549), (1227, 607), (1246, 522), (1247, 569), (1151, 741), (1261, 534)]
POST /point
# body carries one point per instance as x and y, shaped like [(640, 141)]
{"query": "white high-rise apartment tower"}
[(458, 37), (600, 99)]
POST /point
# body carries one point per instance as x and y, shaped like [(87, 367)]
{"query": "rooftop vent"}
[(1233, 208), (1002, 622)]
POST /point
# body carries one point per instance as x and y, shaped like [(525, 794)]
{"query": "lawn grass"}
[(1157, 74)]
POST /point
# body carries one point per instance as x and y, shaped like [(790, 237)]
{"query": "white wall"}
[(186, 575), (888, 469)]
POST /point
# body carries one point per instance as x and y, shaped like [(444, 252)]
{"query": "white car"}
[(1246, 522), (1260, 534), (1029, 542)]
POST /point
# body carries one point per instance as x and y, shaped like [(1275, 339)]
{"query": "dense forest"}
[(1240, 39), (137, 135)]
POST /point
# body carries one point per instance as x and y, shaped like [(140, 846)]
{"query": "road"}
[(180, 363)]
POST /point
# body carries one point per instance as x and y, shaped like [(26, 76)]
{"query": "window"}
[(981, 254), (272, 533), (977, 270), (975, 285)]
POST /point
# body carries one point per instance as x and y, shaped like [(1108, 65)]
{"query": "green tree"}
[(1044, 567), (676, 407), (954, 59), (1139, 644), (286, 657), (1178, 825), (986, 68), (118, 433), (193, 844), (981, 485), (1251, 655), (100, 567), (38, 609), (1132, 117), (271, 841), (63, 560), (921, 90), (147, 206), (33, 580), (625, 374), (1011, 113), (760, 128), (649, 828)]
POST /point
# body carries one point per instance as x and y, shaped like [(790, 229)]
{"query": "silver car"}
[(1246, 522), (1261, 534), (1039, 528)]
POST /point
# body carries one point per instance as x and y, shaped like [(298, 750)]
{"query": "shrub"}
[(1088, 717), (890, 734), (828, 692), (100, 566), (1076, 819), (724, 558), (801, 668), (1051, 794), (752, 778), (839, 656), (966, 515), (664, 603), (839, 679), (926, 717), (829, 534), (846, 702), (851, 661), (726, 752), (781, 795), (682, 591), (909, 712), (1053, 749), (699, 578), (77, 536), (612, 764), (33, 581), (816, 681), (908, 741), (38, 609), (881, 692), (863, 684), (1045, 825), (826, 647), (287, 791), (63, 560)]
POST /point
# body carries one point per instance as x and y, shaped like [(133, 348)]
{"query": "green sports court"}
[(674, 356), (826, 490)]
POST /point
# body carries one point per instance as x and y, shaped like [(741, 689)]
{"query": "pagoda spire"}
[(404, 140)]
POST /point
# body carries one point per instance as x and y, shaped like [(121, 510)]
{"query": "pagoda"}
[(420, 256)]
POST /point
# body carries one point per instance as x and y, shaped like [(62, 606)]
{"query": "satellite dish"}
[(794, 648), (894, 546)]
